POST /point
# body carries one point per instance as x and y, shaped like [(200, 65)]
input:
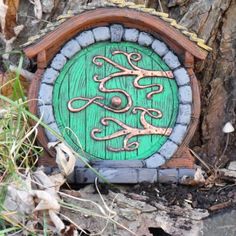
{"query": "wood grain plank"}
[(94, 113)]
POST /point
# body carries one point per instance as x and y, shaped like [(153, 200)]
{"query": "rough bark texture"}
[(212, 20), (215, 21)]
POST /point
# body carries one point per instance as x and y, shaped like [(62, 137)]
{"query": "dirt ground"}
[(213, 199), (196, 196)]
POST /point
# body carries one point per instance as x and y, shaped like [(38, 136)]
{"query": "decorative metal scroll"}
[(130, 132), (127, 131)]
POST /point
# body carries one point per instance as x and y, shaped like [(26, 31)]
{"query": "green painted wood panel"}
[(76, 80)]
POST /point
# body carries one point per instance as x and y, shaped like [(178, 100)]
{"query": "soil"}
[(213, 199), (198, 197)]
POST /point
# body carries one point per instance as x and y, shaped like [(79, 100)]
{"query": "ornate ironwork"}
[(127, 131), (140, 73), (94, 100), (130, 132), (136, 71)]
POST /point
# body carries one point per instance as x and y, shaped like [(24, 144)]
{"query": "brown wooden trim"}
[(42, 60), (183, 160), (196, 107), (196, 104), (182, 157), (33, 91), (33, 106), (52, 42)]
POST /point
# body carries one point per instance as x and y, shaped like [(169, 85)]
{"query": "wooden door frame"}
[(47, 48)]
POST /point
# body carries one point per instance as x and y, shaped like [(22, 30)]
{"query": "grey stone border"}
[(117, 33), (130, 175), (121, 175)]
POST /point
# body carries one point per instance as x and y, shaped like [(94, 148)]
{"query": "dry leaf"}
[(7, 89), (47, 201), (198, 176), (19, 203), (11, 17), (58, 180), (48, 5), (9, 28), (3, 13), (38, 11), (65, 159), (56, 221), (19, 200), (44, 182), (8, 16)]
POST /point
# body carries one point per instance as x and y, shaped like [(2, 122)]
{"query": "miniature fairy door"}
[(116, 101), (118, 85)]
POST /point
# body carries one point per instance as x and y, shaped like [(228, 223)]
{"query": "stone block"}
[(84, 175), (181, 76), (145, 39), (131, 35), (50, 76), (46, 112), (186, 172), (184, 115), (168, 176), (118, 164), (185, 94), (155, 161), (147, 175), (168, 149), (178, 133), (159, 47), (80, 163), (171, 60), (232, 165), (130, 175), (101, 33), (71, 48), (45, 94), (86, 38), (50, 136), (58, 62), (117, 32), (121, 175)]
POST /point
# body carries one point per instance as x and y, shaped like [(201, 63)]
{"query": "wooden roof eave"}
[(54, 40)]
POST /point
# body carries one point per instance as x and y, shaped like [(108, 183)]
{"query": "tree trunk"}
[(215, 22)]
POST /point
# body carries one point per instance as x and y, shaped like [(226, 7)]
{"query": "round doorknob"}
[(116, 101)]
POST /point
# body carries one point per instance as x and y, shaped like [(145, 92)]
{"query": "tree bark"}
[(215, 22)]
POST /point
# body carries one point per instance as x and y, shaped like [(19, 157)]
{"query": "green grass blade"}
[(59, 137), (8, 230)]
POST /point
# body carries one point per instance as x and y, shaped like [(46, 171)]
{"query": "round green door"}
[(115, 101)]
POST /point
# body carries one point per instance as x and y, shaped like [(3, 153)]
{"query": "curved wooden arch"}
[(53, 41)]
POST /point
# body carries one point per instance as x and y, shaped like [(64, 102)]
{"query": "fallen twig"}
[(200, 159), (220, 206)]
